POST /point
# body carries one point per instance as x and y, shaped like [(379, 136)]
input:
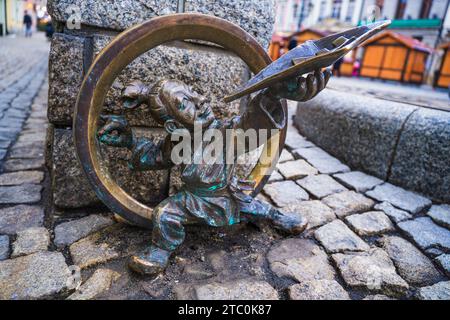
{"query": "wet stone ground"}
[(366, 239)]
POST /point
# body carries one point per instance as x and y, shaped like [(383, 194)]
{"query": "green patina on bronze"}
[(211, 194)]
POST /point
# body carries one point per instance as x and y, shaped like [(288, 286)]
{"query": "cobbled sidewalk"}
[(366, 239)]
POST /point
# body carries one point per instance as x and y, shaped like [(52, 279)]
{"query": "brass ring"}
[(122, 51)]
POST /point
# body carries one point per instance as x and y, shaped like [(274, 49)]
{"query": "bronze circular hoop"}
[(122, 51)]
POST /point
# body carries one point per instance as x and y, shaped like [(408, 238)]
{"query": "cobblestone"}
[(372, 271), (236, 290), (98, 283), (315, 212), (276, 177), (38, 275), (337, 237), (318, 290), (396, 215), (444, 263), (29, 193), (439, 291), (285, 156), (296, 169), (321, 186), (21, 217), (440, 215), (68, 232), (432, 238), (4, 248), (400, 198), (21, 177), (300, 260), (347, 203), (370, 223), (411, 264), (358, 181), (285, 193), (31, 241)]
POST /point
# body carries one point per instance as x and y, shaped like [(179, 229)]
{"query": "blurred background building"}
[(414, 48), (12, 11)]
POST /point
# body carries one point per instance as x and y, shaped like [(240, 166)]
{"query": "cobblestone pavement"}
[(366, 239)]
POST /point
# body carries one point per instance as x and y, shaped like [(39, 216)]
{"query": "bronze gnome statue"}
[(211, 193)]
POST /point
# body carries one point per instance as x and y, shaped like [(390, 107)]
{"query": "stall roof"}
[(405, 40), (280, 36), (321, 33), (444, 46)]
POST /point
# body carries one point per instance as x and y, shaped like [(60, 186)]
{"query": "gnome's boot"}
[(288, 222), (150, 262)]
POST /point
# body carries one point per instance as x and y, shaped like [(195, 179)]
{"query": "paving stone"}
[(432, 238), (21, 217), (337, 237), (406, 200), (372, 271), (285, 193), (318, 290), (395, 214), (321, 160), (23, 164), (329, 165), (358, 181), (440, 215), (107, 244), (4, 247), (21, 177), (299, 259), (412, 265), (296, 141), (370, 223), (439, 291), (27, 193), (444, 262), (98, 283), (68, 232), (4, 144), (296, 169), (35, 276), (31, 241), (26, 152), (263, 198), (311, 153), (246, 289), (32, 137), (315, 212), (321, 186), (285, 156), (3, 153), (378, 297), (348, 202), (275, 177)]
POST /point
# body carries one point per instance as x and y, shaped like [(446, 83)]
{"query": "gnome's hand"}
[(301, 89), (116, 132)]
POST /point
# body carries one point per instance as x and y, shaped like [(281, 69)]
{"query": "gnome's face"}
[(187, 106)]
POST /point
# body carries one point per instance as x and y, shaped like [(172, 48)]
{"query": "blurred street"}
[(423, 95), (23, 65)]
